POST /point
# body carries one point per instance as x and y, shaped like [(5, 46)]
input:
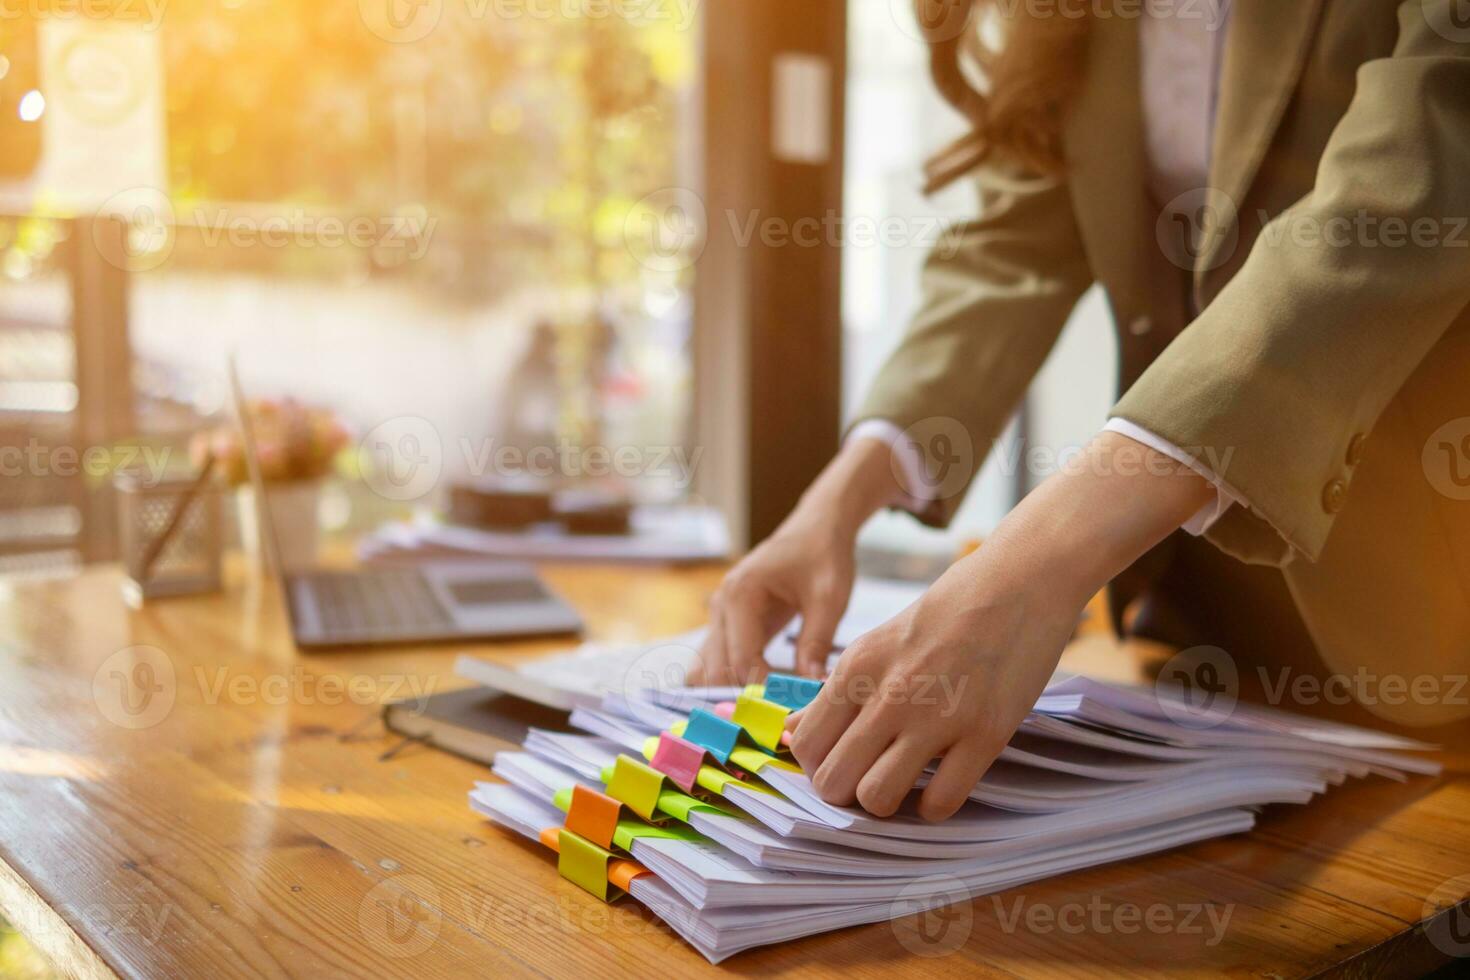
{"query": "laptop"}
[(427, 603)]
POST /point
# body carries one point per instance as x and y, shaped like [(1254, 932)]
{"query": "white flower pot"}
[(293, 513)]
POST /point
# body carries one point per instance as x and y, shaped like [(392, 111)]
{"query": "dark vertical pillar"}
[(768, 285)]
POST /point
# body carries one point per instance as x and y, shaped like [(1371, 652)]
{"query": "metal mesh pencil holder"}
[(190, 561)]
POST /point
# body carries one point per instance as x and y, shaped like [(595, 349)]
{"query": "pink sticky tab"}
[(679, 760), (725, 709)]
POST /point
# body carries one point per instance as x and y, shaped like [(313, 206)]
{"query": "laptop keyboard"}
[(385, 602)]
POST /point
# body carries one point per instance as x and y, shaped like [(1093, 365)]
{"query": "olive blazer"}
[(1326, 377)]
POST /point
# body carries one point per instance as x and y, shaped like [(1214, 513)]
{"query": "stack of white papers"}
[(1097, 773), (583, 675)]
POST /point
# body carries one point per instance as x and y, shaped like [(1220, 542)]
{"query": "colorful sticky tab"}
[(591, 868), (583, 863), (754, 760), (714, 780), (679, 760), (681, 805), (790, 691), (754, 690), (636, 784), (672, 802), (713, 733), (620, 874), (593, 815), (763, 720), (629, 829)]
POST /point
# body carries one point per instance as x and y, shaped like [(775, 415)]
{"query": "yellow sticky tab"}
[(754, 760), (583, 863), (678, 728), (755, 691), (762, 720), (713, 779), (650, 745), (636, 784)]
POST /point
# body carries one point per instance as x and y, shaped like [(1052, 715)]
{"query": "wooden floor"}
[(219, 809)]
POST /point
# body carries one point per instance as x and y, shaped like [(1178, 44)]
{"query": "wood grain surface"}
[(183, 794)]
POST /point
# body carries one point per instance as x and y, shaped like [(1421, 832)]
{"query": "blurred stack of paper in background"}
[(657, 532), (739, 850)]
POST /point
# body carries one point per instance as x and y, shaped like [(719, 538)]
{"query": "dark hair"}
[(1029, 76)]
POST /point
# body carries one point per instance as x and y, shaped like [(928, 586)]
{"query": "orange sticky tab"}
[(593, 815), (551, 837), (620, 874)]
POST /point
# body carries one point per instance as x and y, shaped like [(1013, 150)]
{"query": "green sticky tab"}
[(583, 863), (636, 784), (762, 720), (630, 831), (563, 799)]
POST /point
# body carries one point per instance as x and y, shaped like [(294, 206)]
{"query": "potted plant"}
[(294, 445)]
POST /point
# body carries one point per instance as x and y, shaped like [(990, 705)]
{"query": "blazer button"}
[(1333, 495), (1355, 449), (1140, 325)]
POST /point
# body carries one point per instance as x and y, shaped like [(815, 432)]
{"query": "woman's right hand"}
[(805, 567)]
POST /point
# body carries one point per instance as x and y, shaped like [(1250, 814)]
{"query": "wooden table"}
[(238, 821)]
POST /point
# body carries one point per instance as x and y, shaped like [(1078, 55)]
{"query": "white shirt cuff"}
[(1211, 512), (914, 496)]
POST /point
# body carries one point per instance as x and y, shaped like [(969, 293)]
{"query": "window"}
[(430, 209)]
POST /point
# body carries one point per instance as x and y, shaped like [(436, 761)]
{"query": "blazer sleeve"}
[(1340, 298), (996, 292)]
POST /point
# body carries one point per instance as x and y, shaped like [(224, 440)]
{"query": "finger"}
[(745, 646), (959, 771), (699, 671), (837, 778), (822, 724), (788, 727), (814, 644), (712, 654), (883, 790)]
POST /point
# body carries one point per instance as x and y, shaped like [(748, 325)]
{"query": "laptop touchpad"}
[(490, 592)]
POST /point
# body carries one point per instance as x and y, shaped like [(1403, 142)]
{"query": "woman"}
[(1273, 196)]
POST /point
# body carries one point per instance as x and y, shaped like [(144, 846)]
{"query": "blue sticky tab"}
[(791, 692), (710, 731)]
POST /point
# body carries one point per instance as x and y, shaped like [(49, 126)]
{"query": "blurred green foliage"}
[(495, 126)]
